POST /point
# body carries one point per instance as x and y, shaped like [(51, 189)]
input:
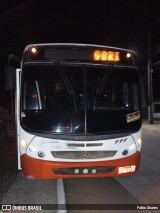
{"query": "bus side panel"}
[(17, 118)]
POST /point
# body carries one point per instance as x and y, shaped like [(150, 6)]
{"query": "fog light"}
[(76, 171), (23, 143), (85, 171), (41, 154), (94, 171)]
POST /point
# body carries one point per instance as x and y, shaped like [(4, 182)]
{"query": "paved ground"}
[(153, 127)]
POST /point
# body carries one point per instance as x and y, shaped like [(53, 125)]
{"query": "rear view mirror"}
[(9, 77)]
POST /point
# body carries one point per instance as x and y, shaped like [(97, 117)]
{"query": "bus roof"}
[(75, 52), (77, 45)]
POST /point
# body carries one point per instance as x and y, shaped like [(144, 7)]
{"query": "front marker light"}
[(128, 55), (33, 50)]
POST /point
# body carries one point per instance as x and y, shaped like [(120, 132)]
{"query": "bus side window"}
[(30, 101)]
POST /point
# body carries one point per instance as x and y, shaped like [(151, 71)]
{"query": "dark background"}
[(120, 23)]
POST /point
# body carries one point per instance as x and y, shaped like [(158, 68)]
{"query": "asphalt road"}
[(145, 185), (25, 191), (142, 188)]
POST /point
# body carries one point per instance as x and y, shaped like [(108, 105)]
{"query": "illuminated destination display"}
[(103, 55)]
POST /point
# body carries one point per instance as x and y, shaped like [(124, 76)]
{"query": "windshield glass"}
[(79, 100)]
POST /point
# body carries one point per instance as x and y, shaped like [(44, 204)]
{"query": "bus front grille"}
[(83, 154)]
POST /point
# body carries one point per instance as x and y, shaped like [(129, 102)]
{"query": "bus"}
[(78, 111)]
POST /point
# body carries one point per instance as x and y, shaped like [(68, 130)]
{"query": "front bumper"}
[(41, 169)]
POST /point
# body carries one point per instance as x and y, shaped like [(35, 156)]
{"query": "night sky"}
[(121, 23)]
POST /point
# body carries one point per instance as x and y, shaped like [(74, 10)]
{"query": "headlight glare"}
[(32, 149), (139, 142), (132, 147), (23, 143)]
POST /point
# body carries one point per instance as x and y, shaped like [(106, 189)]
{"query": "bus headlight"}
[(32, 149), (23, 143), (139, 142), (132, 147)]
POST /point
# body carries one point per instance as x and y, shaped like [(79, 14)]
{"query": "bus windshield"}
[(78, 99)]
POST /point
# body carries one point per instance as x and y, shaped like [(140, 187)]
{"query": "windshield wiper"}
[(67, 83), (100, 85)]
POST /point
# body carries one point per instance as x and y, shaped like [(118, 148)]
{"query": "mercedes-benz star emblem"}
[(85, 155)]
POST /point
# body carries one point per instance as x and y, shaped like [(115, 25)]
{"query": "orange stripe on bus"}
[(41, 169)]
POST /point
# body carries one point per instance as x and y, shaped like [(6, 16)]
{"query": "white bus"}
[(78, 111)]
